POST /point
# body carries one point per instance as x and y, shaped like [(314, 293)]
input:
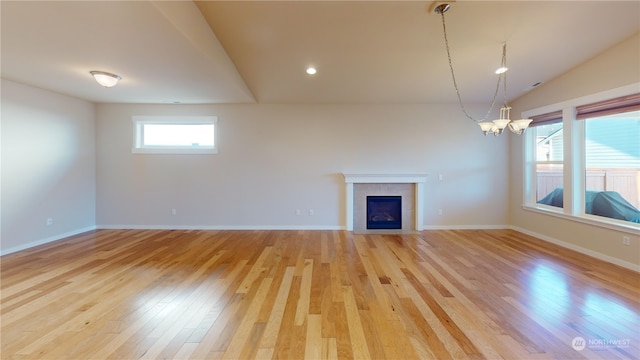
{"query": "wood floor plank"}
[(369, 264), (302, 309), (241, 335), (313, 345), (452, 337), (185, 351), (269, 339), (356, 333), (196, 294), (329, 349)]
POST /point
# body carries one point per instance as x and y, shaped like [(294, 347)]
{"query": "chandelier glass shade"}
[(496, 126)]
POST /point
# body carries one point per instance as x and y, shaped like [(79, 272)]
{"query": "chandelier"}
[(498, 125)]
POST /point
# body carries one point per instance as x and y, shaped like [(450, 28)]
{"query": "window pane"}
[(196, 135), (549, 142), (612, 159), (549, 167), (549, 178)]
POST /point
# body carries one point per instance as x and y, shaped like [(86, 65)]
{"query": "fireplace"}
[(384, 212), (409, 186)]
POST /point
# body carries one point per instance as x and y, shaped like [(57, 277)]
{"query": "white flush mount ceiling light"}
[(311, 70), (496, 126), (105, 79)]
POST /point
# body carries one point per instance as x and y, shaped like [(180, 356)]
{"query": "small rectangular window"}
[(174, 134)]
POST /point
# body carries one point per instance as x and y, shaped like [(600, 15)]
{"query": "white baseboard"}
[(465, 227), (283, 227), (585, 251), (219, 227), (46, 240)]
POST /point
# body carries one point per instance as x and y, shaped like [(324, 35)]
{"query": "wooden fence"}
[(626, 182)]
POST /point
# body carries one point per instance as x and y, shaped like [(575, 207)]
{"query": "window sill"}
[(612, 224), (173, 151)]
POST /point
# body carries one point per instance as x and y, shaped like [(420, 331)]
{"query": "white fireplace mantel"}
[(417, 178)]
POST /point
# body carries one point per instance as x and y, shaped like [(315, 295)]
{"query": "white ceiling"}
[(244, 52)]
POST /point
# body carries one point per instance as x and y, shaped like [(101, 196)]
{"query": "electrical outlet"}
[(626, 240), (310, 212), (173, 212), (439, 211), (49, 221)]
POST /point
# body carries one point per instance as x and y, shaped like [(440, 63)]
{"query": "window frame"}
[(546, 119), (139, 121), (574, 163)]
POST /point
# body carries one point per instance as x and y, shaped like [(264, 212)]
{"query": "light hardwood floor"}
[(134, 294)]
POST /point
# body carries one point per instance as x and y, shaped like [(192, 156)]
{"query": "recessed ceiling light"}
[(502, 70), (311, 70)]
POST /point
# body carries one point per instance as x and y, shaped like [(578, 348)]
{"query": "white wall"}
[(616, 67), (275, 159), (48, 166)]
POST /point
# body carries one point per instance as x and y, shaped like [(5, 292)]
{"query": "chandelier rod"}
[(441, 10), (503, 65)]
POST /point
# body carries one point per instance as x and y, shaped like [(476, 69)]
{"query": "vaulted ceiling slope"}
[(246, 52)]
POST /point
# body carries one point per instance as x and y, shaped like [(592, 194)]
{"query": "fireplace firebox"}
[(384, 212)]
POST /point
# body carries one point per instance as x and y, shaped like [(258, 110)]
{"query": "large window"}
[(584, 159), (612, 171), (174, 135)]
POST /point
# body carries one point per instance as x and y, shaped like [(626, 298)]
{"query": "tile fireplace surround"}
[(410, 186)]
